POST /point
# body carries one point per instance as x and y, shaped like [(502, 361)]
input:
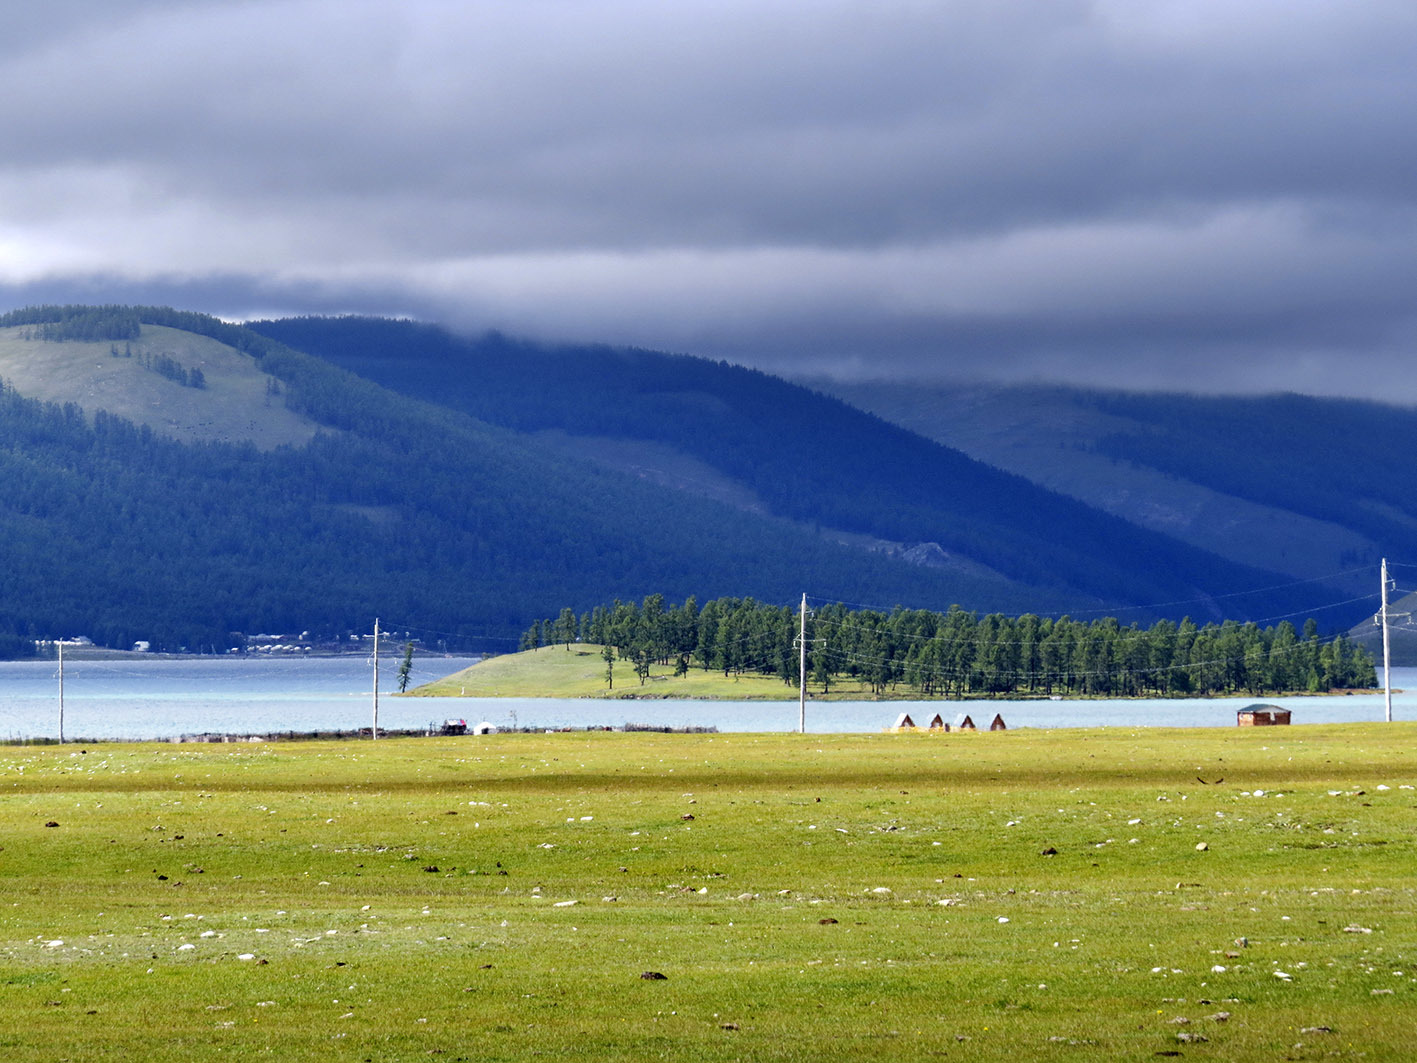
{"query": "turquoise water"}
[(165, 698)]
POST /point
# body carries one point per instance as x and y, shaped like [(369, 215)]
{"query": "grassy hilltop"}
[(555, 672), (1236, 895), (235, 405)]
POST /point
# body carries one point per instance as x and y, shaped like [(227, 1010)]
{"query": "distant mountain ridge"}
[(392, 508), (1316, 488), (139, 527), (804, 455), (1336, 468), (327, 471)]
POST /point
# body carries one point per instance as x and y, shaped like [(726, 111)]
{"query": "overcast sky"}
[(1215, 194)]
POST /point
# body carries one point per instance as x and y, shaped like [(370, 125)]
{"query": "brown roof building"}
[(1261, 715)]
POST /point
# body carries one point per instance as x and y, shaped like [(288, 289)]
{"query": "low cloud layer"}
[(1176, 194)]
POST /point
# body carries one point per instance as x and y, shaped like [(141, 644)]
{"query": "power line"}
[(1141, 606)]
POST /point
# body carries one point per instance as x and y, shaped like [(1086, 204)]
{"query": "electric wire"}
[(1152, 606)]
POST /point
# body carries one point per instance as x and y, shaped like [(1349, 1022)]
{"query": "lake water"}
[(166, 698)]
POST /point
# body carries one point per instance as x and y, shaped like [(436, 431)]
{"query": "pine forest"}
[(959, 653)]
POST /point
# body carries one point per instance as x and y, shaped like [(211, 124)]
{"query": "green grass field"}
[(1020, 895)]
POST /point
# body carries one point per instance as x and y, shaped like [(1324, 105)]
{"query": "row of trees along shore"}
[(959, 653)]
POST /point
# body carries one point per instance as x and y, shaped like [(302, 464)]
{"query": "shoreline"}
[(354, 734), (911, 698), (362, 734)]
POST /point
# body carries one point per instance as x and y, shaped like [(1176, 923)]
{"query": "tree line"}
[(55, 324), (168, 366), (959, 653)]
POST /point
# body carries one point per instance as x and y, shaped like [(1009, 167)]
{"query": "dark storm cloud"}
[(1208, 192)]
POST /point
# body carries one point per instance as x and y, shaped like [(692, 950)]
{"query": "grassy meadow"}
[(233, 407), (1055, 895), (579, 672)]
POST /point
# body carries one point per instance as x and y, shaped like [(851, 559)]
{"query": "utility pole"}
[(61, 692), (802, 670), (375, 732), (1387, 665)]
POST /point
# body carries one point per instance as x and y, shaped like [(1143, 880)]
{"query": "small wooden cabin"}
[(964, 723), (938, 723), (1260, 715), (904, 723), (998, 724)]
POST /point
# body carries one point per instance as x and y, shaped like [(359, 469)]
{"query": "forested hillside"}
[(1317, 488), (418, 514), (1343, 461), (806, 456), (248, 486)]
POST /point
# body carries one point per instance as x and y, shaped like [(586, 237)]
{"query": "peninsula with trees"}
[(738, 647)]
